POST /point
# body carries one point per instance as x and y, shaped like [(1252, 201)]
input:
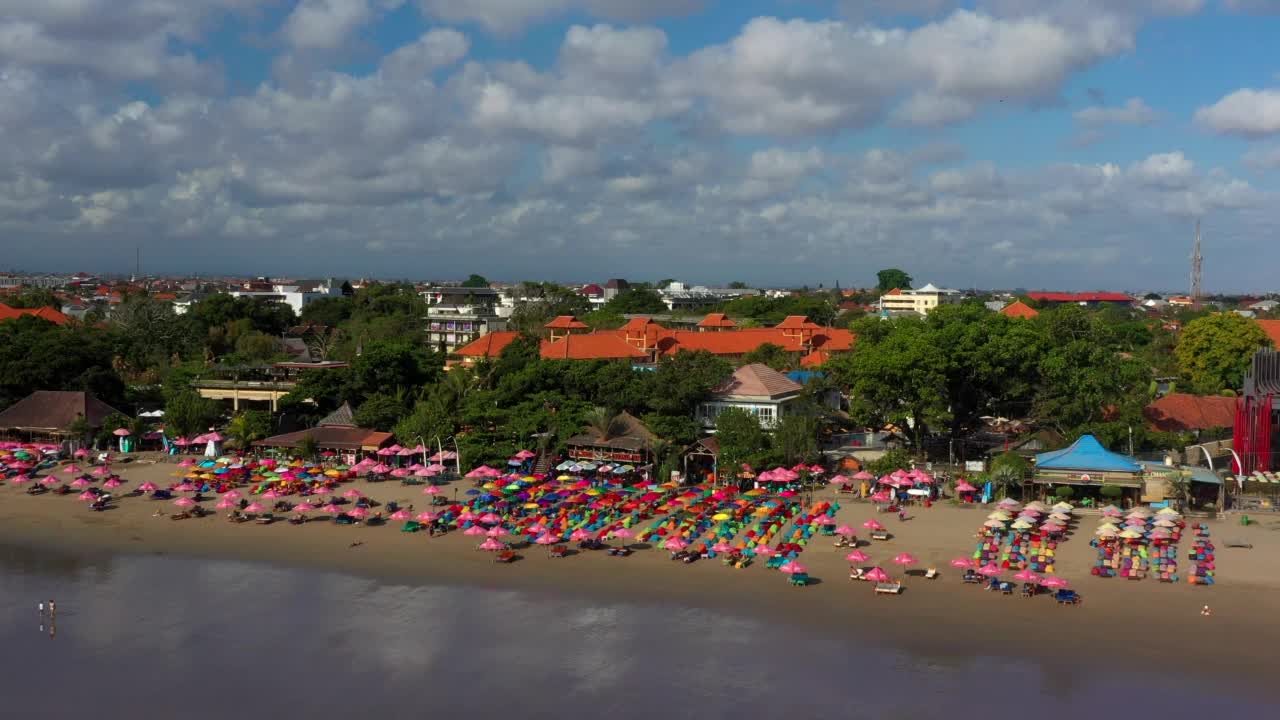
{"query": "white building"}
[(679, 296), (294, 295), (757, 389), (919, 301), (458, 315)]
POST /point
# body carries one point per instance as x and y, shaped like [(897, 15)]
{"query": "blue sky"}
[(993, 143)]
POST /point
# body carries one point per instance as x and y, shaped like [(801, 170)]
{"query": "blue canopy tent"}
[(1086, 463)]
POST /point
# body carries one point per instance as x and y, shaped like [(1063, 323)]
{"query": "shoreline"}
[(1151, 626)]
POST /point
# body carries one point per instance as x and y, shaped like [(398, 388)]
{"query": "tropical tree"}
[(891, 278), (1214, 351), (307, 447), (475, 281), (186, 413), (1179, 487), (775, 356), (741, 440), (795, 437), (604, 423), (248, 426)]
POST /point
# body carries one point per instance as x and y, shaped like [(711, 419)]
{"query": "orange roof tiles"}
[(894, 291), (595, 346), (489, 345), (717, 320), (814, 359), (1272, 329), (796, 322), (1018, 309), (566, 322), (1179, 412), (44, 313)]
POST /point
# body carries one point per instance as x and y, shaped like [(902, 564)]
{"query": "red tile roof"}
[(814, 359), (566, 322), (1180, 412), (44, 313), (1272, 329), (717, 320), (1018, 309), (593, 346), (796, 322), (165, 296), (894, 291), (592, 289), (489, 345), (1080, 297)]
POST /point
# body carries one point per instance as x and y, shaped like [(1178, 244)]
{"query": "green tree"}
[(307, 447), (475, 281), (150, 335), (388, 366), (741, 439), (738, 285), (891, 278), (255, 347), (381, 411), (186, 413), (636, 301), (685, 379), (249, 426), (795, 437), (327, 311), (1214, 351), (542, 302), (895, 459), (1007, 472), (36, 354), (775, 356), (1179, 486), (34, 298)]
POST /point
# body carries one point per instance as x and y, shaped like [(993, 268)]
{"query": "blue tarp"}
[(804, 376), (1087, 454)]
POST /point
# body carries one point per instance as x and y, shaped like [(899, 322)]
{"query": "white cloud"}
[(1134, 112), (508, 16), (1171, 170), (1247, 112), (325, 24), (433, 50), (1263, 158)]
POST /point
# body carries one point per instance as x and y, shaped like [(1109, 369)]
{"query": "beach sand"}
[(1138, 624)]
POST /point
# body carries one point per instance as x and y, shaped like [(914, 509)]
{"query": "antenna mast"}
[(1195, 265)]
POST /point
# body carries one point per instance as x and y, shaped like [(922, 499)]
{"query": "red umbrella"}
[(876, 574)]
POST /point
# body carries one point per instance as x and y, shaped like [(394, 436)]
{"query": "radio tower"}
[(1195, 266)]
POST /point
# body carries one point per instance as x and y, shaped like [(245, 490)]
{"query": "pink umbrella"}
[(838, 480), (352, 494), (225, 504), (232, 495), (964, 487), (547, 539), (876, 574), (254, 508), (526, 454), (303, 508), (101, 471), (722, 547), (121, 432), (427, 516), (763, 551), (473, 531), (466, 516), (187, 463), (20, 480), (1026, 576), (358, 512), (787, 567), (80, 483), (81, 453), (989, 570), (962, 563), (112, 483), (675, 544), (184, 487), (381, 469), (184, 502), (882, 496), (86, 495), (431, 490), (863, 475), (845, 530), (422, 472), (495, 531), (49, 481), (330, 509), (1052, 527), (492, 544), (873, 525), (271, 495), (579, 535), (795, 569), (401, 515), (905, 559), (490, 518), (148, 487), (1054, 582), (401, 472), (857, 556), (71, 469), (435, 468), (823, 520)]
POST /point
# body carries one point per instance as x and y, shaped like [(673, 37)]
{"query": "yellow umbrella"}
[(720, 516), (488, 486), (593, 492), (531, 506)]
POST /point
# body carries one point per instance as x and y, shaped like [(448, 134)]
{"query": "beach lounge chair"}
[(931, 573), (1028, 590), (841, 541), (265, 519), (506, 556), (993, 584), (184, 515), (879, 535), (1067, 597), (972, 578), (1006, 588), (557, 551), (799, 579), (856, 574), (888, 588), (742, 562), (1238, 543), (411, 526)]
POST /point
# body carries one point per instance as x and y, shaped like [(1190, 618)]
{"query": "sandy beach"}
[(1155, 624)]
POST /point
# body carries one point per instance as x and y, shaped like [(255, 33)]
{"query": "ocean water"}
[(161, 637)]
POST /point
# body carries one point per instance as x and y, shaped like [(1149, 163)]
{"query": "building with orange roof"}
[(1019, 309), (716, 322), (592, 346), (489, 345), (563, 325), (44, 313), (1272, 329)]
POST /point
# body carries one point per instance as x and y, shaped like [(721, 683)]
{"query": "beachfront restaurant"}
[(1087, 467), (337, 432), (626, 442)]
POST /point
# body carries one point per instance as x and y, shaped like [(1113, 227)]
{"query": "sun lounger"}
[(931, 573), (742, 562), (1006, 588), (557, 551), (1238, 543), (972, 578), (265, 519), (888, 588), (879, 535), (993, 584), (1028, 590), (184, 515), (856, 574), (506, 556), (1067, 597), (800, 579), (411, 526)]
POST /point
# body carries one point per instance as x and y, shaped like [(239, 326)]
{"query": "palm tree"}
[(1179, 486), (604, 423)]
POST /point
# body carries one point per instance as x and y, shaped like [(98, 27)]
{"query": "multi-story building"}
[(295, 295), (456, 315), (919, 301)]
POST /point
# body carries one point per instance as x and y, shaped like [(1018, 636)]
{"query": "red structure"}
[(1255, 421)]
